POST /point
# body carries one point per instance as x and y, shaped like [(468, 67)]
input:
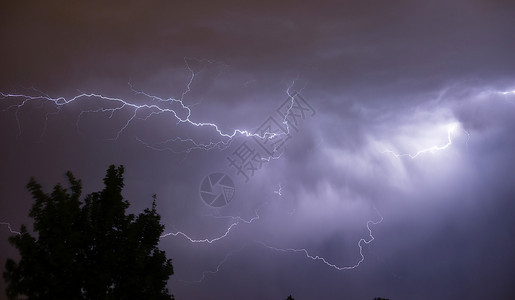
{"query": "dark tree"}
[(88, 249), (290, 298)]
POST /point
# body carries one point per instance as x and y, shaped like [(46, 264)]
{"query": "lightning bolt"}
[(182, 114), (326, 262), (205, 240), (451, 128), (218, 267), (175, 107), (153, 106), (507, 93), (163, 145), (279, 191), (120, 104), (360, 244), (237, 220), (10, 228)]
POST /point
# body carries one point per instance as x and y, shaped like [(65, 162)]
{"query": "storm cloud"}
[(382, 79)]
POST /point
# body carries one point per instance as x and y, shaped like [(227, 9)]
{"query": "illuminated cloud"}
[(411, 123)]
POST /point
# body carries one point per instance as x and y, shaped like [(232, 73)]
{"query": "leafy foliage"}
[(90, 249)]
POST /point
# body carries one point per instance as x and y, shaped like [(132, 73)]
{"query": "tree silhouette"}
[(90, 249), (290, 298)]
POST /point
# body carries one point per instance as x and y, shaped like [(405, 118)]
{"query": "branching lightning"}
[(155, 108), (175, 107), (323, 260), (182, 113), (452, 130), (360, 244)]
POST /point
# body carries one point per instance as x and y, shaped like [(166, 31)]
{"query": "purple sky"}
[(383, 78)]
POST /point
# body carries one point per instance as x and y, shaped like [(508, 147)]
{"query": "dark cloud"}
[(384, 78)]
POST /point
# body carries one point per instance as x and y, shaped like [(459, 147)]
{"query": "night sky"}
[(397, 137)]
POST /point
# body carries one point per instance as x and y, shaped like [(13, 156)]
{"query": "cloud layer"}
[(384, 79)]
